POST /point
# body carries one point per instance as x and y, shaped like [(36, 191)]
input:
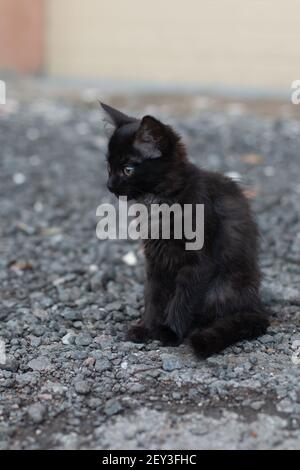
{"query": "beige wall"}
[(251, 43)]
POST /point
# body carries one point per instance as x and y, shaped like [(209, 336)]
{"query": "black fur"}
[(210, 296)]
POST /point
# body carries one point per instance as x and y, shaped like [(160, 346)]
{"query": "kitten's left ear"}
[(114, 117), (151, 137)]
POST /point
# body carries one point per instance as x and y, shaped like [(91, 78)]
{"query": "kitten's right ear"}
[(114, 117)]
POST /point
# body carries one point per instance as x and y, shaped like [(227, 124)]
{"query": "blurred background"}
[(220, 72), (250, 44)]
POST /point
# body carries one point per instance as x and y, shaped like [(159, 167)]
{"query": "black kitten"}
[(210, 296)]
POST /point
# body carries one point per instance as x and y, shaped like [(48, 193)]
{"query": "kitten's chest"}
[(164, 255), (162, 247)]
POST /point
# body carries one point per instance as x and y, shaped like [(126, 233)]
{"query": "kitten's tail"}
[(226, 331)]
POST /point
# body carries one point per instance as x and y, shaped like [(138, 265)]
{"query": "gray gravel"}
[(70, 380)]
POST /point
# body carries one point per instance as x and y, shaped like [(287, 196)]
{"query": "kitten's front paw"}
[(137, 334), (168, 337)]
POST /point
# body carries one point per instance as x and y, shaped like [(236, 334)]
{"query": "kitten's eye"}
[(128, 170)]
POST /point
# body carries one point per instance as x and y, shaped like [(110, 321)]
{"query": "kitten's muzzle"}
[(114, 186), (110, 187), (111, 184)]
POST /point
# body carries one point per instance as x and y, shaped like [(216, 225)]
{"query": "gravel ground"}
[(69, 379)]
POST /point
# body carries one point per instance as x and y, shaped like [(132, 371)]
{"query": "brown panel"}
[(21, 35)]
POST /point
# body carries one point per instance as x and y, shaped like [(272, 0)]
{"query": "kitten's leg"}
[(138, 333), (191, 286), (155, 302)]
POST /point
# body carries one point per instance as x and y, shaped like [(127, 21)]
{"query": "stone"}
[(102, 365), (171, 362), (82, 387), (112, 407), (41, 363), (37, 413)]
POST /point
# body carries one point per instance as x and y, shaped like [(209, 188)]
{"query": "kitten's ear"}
[(150, 137), (113, 117)]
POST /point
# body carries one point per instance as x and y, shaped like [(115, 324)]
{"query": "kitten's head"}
[(141, 154)]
